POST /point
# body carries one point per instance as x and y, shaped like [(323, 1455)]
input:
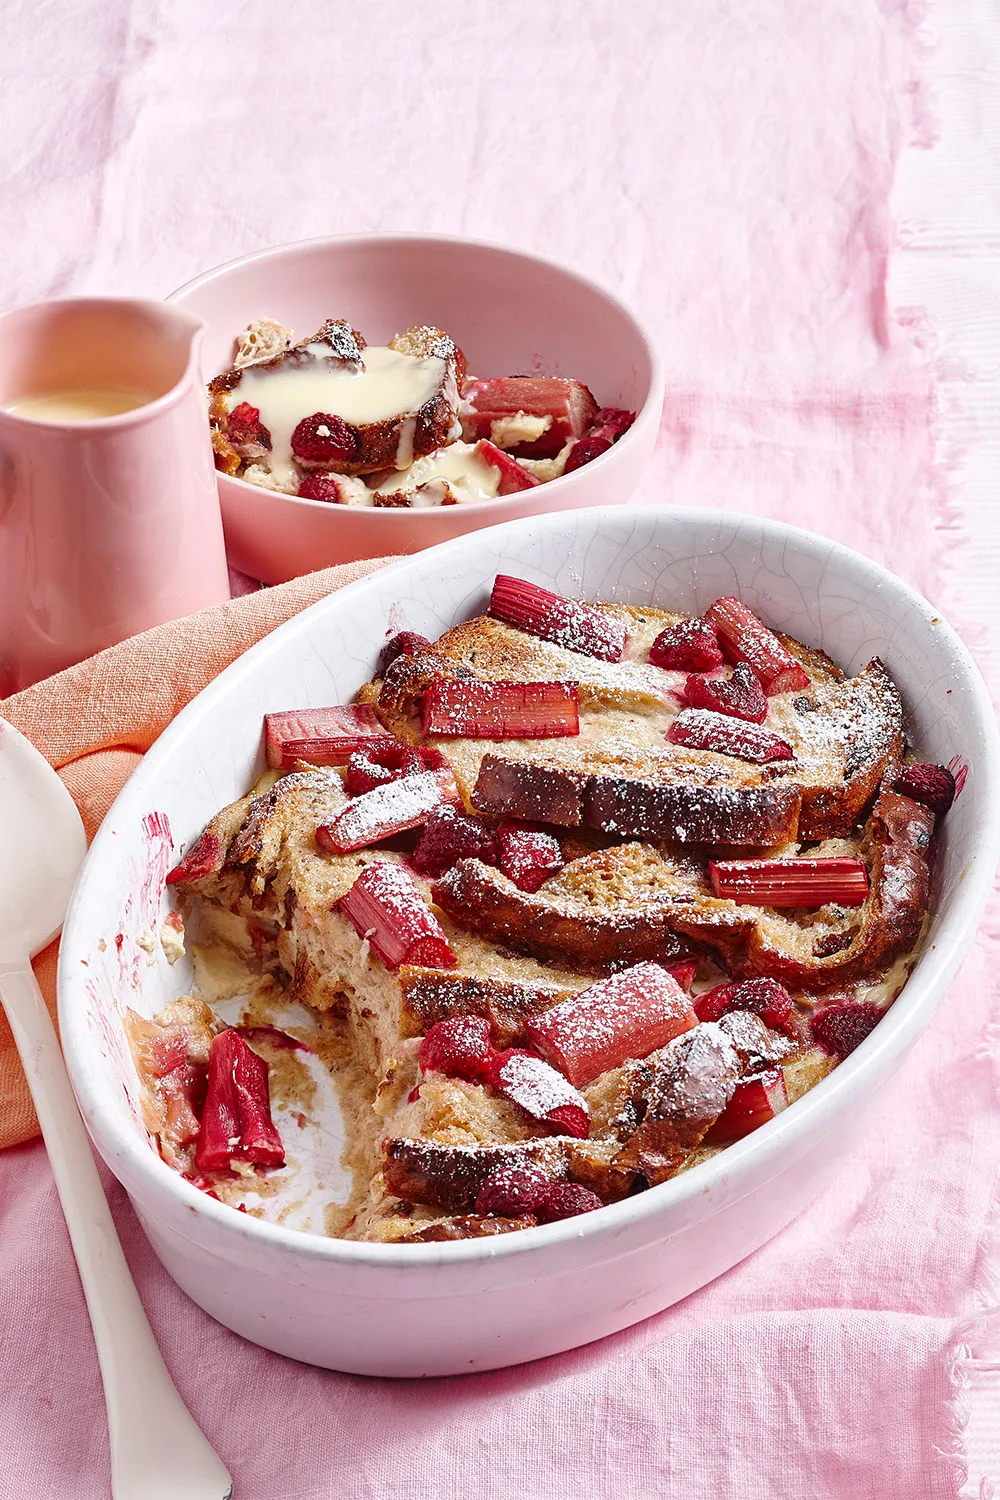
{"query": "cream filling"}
[(388, 385), (460, 467)]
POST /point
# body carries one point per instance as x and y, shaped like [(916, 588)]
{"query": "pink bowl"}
[(510, 312)]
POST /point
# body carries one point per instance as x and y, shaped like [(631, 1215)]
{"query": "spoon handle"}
[(157, 1450)]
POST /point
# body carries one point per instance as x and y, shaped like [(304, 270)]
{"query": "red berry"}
[(403, 643), (450, 835), (512, 1191), (840, 1028), (243, 425), (740, 695), (461, 1048), (769, 1000), (611, 422), (320, 487), (934, 786), (324, 438), (765, 997), (688, 646), (528, 855), (585, 451), (564, 1200), (714, 1002)]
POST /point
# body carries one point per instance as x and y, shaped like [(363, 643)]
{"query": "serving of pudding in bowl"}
[(467, 385)]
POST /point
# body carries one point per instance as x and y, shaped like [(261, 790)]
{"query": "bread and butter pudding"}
[(334, 419), (578, 894)]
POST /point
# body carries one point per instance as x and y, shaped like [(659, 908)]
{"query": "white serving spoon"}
[(157, 1451)]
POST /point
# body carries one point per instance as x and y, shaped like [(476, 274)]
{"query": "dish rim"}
[(654, 396), (902, 1024)]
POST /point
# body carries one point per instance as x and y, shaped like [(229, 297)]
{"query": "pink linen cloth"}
[(728, 166)]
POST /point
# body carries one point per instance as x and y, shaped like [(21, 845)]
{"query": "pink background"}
[(727, 166)]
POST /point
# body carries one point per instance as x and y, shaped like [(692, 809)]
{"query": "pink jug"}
[(109, 524)]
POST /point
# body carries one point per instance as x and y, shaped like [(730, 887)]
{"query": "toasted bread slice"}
[(621, 774), (631, 902), (392, 443)]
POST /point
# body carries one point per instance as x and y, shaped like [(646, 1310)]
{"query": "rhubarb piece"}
[(689, 646), (527, 855), (934, 786), (611, 422), (403, 643), (460, 1048), (512, 1191), (567, 405), (684, 973), (385, 907), (739, 696), (368, 769), (542, 1093), (324, 438), (387, 810), (754, 1102), (203, 858), (564, 622), (501, 710), (842, 1027), (744, 638), (513, 478), (585, 451), (701, 729), (325, 487), (629, 1015), (790, 882), (236, 1121), (273, 1036), (323, 736), (565, 1200), (450, 835)]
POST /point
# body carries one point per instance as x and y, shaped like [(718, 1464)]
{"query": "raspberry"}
[(765, 997), (934, 786), (244, 426), (403, 643), (688, 646), (461, 1048), (741, 695), (450, 835), (585, 451), (528, 855), (564, 1200), (512, 1191), (769, 1000), (611, 422), (324, 438), (320, 487), (841, 1028)]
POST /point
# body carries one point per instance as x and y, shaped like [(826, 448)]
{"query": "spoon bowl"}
[(44, 845)]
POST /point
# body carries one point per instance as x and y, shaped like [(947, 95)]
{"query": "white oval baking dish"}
[(445, 1308)]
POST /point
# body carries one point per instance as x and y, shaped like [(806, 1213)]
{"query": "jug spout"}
[(97, 342)]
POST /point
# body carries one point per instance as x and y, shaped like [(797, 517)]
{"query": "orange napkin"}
[(95, 721)]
